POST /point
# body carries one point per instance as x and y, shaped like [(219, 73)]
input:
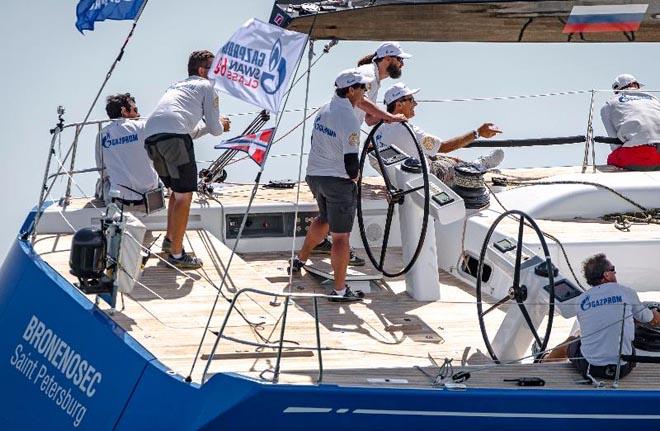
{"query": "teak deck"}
[(379, 342)]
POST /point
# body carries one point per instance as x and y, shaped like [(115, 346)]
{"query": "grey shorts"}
[(173, 156), (337, 201), (599, 371)]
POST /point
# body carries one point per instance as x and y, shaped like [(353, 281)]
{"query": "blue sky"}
[(47, 62)]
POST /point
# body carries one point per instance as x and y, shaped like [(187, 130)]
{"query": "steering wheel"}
[(518, 291), (395, 196)]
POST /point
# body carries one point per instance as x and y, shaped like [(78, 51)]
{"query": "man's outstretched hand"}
[(488, 130)]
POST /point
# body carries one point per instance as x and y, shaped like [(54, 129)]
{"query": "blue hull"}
[(66, 365)]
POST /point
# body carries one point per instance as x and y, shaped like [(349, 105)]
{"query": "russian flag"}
[(255, 144), (595, 19)]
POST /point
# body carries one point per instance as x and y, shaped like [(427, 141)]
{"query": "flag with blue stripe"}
[(90, 11)]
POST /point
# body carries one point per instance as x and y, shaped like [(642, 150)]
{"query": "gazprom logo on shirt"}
[(587, 303), (323, 129), (107, 141), (632, 97)]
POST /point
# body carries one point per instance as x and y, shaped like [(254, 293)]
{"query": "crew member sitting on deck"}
[(599, 314), (332, 170), (400, 100), (120, 154), (633, 116)]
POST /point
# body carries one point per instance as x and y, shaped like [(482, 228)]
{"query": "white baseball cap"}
[(624, 80), (349, 77), (391, 49), (398, 91)]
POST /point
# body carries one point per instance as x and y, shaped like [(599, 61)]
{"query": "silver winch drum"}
[(647, 337), (469, 185)]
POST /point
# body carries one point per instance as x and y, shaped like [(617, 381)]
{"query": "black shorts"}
[(599, 371), (337, 201), (173, 156)]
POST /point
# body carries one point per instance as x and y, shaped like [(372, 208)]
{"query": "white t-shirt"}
[(372, 88), (396, 134), (120, 149), (336, 133), (599, 313), (182, 108), (633, 117)]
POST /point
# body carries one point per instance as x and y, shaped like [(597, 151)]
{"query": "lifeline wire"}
[(240, 231)]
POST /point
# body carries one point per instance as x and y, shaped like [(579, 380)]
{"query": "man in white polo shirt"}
[(633, 116), (599, 313), (400, 100), (120, 153), (332, 170), (187, 110), (386, 62)]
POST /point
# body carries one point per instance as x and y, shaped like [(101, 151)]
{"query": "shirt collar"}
[(341, 102)]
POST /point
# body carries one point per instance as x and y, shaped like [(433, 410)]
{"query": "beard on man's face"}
[(394, 71)]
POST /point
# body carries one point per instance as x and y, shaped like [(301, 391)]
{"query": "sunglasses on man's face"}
[(407, 99)]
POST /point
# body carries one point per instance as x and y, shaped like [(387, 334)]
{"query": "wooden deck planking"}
[(371, 338)]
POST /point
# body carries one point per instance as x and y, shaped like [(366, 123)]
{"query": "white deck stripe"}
[(475, 414), (505, 415), (307, 410), (609, 9)]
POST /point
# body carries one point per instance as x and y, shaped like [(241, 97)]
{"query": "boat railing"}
[(279, 344)]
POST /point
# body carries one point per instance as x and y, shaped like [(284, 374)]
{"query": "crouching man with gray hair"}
[(599, 313)]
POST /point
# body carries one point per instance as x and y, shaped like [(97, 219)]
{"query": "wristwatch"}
[(475, 134)]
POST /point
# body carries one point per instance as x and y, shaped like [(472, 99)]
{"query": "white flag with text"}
[(256, 64)]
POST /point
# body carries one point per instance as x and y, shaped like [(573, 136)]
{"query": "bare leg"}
[(315, 234), (179, 220), (559, 354), (170, 214), (339, 258)]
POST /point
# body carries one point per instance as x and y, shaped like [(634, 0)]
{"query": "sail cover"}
[(473, 20)]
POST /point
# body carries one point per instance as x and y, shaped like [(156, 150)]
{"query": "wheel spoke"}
[(386, 234), (516, 267), (498, 304), (414, 189), (528, 319)]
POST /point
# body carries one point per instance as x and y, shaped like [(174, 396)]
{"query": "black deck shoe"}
[(323, 248), (348, 296), (295, 265), (186, 261), (355, 260)]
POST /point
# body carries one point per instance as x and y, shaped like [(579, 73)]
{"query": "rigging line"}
[(74, 145), (515, 97), (288, 111), (589, 139), (579, 337), (244, 220), (302, 123), (300, 163)]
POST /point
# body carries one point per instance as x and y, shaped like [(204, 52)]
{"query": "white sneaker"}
[(493, 159)]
